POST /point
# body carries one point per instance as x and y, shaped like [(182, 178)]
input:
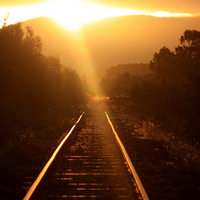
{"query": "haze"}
[(97, 34)]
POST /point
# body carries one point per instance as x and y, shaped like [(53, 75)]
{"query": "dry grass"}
[(168, 166)]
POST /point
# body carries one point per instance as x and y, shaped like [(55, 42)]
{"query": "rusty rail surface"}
[(128, 160), (42, 173)]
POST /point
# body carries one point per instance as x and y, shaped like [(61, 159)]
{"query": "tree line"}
[(169, 96), (36, 90), (118, 78)]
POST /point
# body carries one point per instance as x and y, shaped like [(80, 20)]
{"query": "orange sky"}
[(191, 6), (182, 6), (73, 14), (109, 42)]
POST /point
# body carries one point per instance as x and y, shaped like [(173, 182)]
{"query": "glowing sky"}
[(104, 44), (191, 6), (73, 14), (180, 6)]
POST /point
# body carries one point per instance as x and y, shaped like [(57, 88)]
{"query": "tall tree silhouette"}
[(162, 64), (35, 90), (171, 96)]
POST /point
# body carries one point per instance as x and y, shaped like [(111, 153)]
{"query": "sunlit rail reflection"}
[(89, 166)]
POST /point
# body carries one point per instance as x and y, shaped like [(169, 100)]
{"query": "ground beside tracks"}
[(164, 175)]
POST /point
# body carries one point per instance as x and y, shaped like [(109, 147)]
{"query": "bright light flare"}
[(167, 14), (76, 13), (73, 14)]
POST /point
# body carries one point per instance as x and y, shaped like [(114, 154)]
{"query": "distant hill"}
[(109, 42), (134, 69)]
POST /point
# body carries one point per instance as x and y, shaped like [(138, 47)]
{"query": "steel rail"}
[(128, 160), (42, 173)]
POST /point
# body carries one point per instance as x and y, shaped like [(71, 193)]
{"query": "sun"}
[(73, 14)]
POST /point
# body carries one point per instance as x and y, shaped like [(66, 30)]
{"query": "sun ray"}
[(83, 62)]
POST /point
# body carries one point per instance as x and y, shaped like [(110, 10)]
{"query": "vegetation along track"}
[(90, 165)]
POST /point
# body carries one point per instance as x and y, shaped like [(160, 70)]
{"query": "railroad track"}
[(90, 163)]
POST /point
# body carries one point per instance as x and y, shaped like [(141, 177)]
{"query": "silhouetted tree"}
[(118, 79), (35, 91), (181, 73), (192, 37), (171, 96), (162, 64)]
